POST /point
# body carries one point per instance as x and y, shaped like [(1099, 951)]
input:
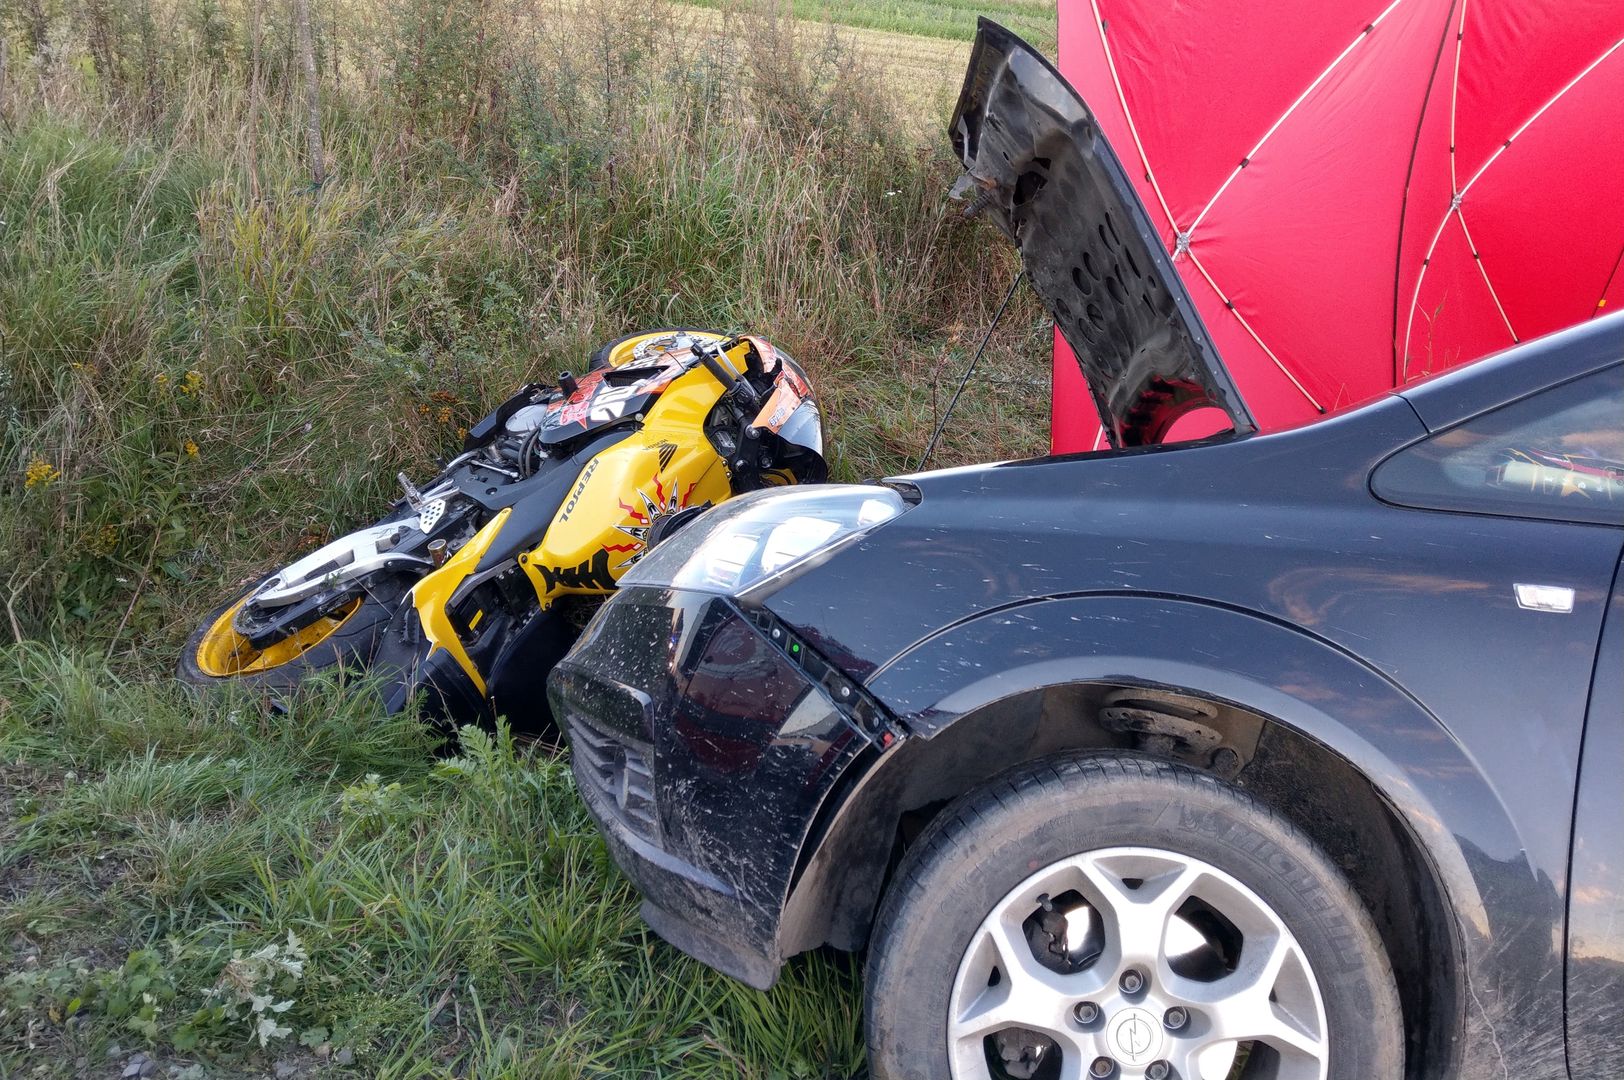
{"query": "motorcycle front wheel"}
[(216, 653)]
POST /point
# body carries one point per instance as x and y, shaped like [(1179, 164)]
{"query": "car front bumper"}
[(705, 739)]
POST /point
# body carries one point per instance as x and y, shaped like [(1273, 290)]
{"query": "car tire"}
[(946, 935)]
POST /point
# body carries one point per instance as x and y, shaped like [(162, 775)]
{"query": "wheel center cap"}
[(1135, 1036)]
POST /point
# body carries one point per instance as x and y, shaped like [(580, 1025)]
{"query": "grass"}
[(455, 917), (919, 48), (207, 366), (952, 20)]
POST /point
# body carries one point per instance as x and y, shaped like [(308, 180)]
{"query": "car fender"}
[(1237, 657), (1293, 678)]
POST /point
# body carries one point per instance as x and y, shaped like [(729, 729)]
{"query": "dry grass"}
[(923, 69), (923, 72), (923, 66)]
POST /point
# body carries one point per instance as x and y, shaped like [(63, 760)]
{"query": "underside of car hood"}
[(1037, 163)]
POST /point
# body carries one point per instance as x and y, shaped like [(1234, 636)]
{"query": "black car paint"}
[(1260, 572), (1039, 167), (718, 705), (1595, 944)]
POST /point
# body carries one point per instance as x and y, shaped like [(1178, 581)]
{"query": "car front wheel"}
[(1115, 916)]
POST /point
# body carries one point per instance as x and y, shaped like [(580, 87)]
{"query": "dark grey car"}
[(1287, 755)]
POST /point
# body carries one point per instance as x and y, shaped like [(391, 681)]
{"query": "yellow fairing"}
[(665, 466), (223, 652), (432, 596)]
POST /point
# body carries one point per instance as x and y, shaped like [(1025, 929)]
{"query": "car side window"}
[(1557, 454)]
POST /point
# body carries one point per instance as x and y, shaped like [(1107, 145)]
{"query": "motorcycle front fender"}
[(432, 596)]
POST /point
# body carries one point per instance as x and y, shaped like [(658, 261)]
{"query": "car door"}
[(1521, 550), (1595, 968), (1505, 575)]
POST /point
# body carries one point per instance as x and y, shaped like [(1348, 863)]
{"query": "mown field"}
[(952, 20), (210, 363), (918, 47)]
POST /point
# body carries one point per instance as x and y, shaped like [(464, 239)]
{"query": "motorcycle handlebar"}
[(714, 365), (711, 356)]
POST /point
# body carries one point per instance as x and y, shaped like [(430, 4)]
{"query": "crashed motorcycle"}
[(473, 585)]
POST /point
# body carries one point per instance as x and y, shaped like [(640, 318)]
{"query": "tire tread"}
[(949, 836)]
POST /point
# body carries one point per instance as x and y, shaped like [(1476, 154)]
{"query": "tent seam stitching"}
[(1235, 311), (1455, 196), (1343, 55)]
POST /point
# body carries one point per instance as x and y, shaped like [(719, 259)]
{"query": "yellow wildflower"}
[(190, 447), (40, 472), (161, 381), (443, 414), (105, 542), (192, 383)]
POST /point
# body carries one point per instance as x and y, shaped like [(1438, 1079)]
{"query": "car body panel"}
[(1341, 566), (742, 744), (1037, 164), (1595, 930), (1463, 392)]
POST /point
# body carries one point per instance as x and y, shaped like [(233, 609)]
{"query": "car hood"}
[(1036, 162)]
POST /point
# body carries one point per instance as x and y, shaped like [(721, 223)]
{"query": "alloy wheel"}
[(1132, 962)]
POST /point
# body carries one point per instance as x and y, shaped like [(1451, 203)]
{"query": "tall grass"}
[(208, 364)]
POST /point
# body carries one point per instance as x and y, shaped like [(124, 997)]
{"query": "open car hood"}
[(1035, 161)]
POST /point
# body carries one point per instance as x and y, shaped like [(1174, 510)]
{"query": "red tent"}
[(1360, 192)]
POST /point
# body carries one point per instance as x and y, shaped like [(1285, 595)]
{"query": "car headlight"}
[(756, 537)]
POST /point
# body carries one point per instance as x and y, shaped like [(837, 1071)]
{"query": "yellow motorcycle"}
[(475, 584)]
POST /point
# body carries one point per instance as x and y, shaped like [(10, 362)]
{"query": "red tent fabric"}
[(1358, 193)]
